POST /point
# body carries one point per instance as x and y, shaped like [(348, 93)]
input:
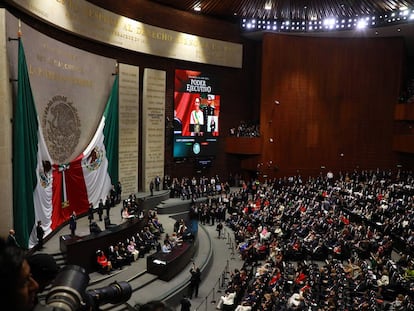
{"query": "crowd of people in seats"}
[(193, 188), (246, 129), (125, 252), (235, 288), (326, 243)]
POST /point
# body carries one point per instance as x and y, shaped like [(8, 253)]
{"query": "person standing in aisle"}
[(195, 281), (72, 224)]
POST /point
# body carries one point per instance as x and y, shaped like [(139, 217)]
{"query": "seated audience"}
[(103, 262), (226, 301), (132, 250)]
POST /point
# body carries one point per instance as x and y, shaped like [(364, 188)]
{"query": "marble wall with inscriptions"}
[(128, 128), (153, 125)]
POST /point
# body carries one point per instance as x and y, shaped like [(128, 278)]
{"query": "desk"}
[(168, 265), (82, 250)]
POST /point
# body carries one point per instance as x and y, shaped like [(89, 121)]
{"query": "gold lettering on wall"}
[(99, 24), (55, 76)]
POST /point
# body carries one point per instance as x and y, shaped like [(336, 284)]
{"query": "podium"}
[(168, 265)]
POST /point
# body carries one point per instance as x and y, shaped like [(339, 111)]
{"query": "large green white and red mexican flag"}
[(47, 191)]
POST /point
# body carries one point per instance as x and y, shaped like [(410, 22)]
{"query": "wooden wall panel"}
[(404, 112), (404, 143), (336, 102), (243, 145)]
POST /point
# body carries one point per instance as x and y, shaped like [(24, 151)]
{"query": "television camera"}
[(68, 292)]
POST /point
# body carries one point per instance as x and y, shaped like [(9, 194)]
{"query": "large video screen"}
[(196, 114)]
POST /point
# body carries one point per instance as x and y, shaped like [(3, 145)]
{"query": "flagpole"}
[(116, 69), (19, 32), (19, 29)]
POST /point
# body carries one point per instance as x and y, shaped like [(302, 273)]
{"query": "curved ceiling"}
[(233, 10)]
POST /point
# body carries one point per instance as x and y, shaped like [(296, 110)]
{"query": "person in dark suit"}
[(195, 281), (152, 187), (72, 223), (113, 196), (185, 304), (94, 228), (90, 212), (118, 190), (100, 209), (40, 233), (11, 239), (107, 205), (208, 110), (157, 183)]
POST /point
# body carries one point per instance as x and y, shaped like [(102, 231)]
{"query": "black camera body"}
[(68, 292)]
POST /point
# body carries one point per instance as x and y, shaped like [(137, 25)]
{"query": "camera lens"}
[(68, 288), (114, 293)]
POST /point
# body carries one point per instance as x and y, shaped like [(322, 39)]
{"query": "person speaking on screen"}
[(196, 119)]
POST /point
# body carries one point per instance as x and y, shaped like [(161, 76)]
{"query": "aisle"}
[(223, 257)]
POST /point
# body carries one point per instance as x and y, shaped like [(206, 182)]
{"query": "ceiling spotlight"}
[(329, 22), (277, 102), (268, 5), (361, 24), (197, 7), (271, 140)]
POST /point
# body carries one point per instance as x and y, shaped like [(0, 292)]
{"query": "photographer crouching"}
[(68, 292)]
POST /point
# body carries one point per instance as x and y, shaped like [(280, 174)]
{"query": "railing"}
[(221, 283)]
